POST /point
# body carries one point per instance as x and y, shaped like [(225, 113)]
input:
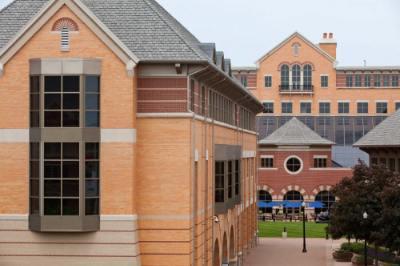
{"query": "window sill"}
[(64, 223)]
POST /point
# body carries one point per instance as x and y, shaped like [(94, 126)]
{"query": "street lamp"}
[(365, 217), (303, 206)]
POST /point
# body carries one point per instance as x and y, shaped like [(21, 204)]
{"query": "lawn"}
[(294, 229)]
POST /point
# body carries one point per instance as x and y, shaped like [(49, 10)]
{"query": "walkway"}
[(288, 252)]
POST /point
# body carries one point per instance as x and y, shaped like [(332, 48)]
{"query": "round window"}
[(293, 165)]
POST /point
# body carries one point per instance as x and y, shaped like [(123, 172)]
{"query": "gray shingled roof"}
[(296, 133), (387, 134), (368, 68)]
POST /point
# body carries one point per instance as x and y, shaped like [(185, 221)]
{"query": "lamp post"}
[(303, 206), (365, 217)]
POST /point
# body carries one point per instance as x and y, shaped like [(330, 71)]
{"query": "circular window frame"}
[(293, 157)]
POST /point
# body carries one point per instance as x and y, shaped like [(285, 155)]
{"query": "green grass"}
[(294, 229)]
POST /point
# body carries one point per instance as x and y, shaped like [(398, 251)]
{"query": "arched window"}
[(266, 197), (327, 198), (293, 196), (307, 72), (284, 77), (296, 77)]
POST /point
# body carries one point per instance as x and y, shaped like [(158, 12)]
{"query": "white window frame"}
[(301, 165)]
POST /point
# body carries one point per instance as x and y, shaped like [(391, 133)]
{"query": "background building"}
[(298, 78), (123, 139)]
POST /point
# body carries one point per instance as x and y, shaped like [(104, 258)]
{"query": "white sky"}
[(247, 29)]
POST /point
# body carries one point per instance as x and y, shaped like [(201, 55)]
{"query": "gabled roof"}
[(288, 39), (295, 133), (386, 134)]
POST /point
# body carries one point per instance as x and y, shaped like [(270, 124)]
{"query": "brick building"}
[(296, 165), (298, 78), (124, 140)]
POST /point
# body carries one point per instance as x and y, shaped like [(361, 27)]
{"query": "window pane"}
[(35, 119), (35, 84), (92, 84), (52, 83), (52, 169), (71, 101), (71, 169), (71, 119), (34, 150), (52, 119), (34, 102), (92, 170), (34, 169), (71, 151), (92, 151), (34, 205), (92, 206), (52, 188), (70, 206), (52, 151), (92, 101), (34, 187), (92, 188), (52, 207), (70, 188), (92, 119), (71, 83), (52, 101)]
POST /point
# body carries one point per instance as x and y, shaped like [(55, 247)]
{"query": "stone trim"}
[(118, 135), (14, 135), (295, 188)]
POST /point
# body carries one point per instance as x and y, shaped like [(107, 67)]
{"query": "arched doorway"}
[(327, 198), (293, 196), (264, 196), (232, 254), (216, 258), (225, 259)]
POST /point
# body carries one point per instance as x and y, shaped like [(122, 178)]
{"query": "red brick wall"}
[(308, 179)]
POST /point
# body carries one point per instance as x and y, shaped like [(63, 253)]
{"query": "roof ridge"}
[(170, 26)]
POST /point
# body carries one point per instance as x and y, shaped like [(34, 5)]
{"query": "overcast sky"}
[(247, 29)]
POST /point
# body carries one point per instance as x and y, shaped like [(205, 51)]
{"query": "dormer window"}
[(65, 26)]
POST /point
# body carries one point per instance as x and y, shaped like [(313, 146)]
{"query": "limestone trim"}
[(319, 189), (295, 188), (14, 135), (79, 9), (118, 135)]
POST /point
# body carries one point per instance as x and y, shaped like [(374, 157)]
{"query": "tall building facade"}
[(298, 78), (124, 140)]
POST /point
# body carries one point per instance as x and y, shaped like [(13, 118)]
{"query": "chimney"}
[(328, 44)]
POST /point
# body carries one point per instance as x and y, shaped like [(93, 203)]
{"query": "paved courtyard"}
[(288, 252)]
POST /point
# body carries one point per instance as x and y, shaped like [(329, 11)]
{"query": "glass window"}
[(343, 107), (386, 80), (357, 80), (397, 106), (268, 108), (192, 85), (293, 165), (349, 81), (92, 178), (219, 181), (377, 80), (320, 163), (296, 77), (287, 108), (284, 77), (305, 108), (268, 81), (237, 177), (230, 181), (307, 80), (267, 162), (324, 81), (362, 108), (92, 101), (395, 81), (328, 200), (367, 80), (324, 108), (381, 108), (243, 80)]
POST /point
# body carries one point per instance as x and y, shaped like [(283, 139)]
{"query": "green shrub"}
[(359, 260), (357, 248)]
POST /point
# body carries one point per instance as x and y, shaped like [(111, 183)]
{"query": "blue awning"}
[(315, 204), (262, 204), (289, 204)]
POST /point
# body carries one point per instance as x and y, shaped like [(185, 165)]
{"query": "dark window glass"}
[(70, 169), (219, 182), (92, 170), (92, 206), (92, 101), (386, 81), (324, 81), (92, 84), (287, 108), (358, 80), (34, 151), (293, 165), (52, 151), (349, 81), (362, 108), (268, 81), (52, 119), (296, 77), (305, 108), (70, 206), (92, 151), (344, 108), (71, 119), (328, 200), (381, 108), (52, 207), (293, 196), (367, 80), (71, 101), (230, 181), (307, 76), (377, 80), (70, 188), (35, 84), (34, 169), (92, 188), (284, 76), (35, 119), (34, 205), (52, 169), (71, 151), (52, 101), (71, 83), (52, 188), (268, 108), (324, 108), (34, 187), (52, 84), (35, 101), (267, 162), (395, 81), (237, 177), (397, 106), (243, 80), (92, 119)]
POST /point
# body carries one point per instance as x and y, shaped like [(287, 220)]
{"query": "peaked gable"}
[(290, 38)]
